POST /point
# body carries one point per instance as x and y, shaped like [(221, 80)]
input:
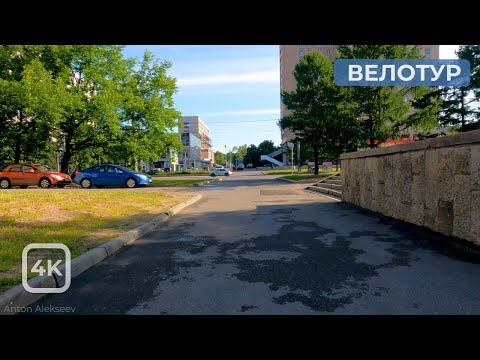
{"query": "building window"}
[(427, 51), (309, 46), (328, 52), (300, 53), (300, 47)]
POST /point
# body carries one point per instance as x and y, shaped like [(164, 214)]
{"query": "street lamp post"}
[(226, 157)]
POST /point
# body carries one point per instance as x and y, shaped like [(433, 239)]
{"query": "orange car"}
[(25, 175)]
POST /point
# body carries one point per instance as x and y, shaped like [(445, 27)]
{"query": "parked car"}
[(221, 172), (25, 175), (111, 175), (249, 165), (155, 171), (240, 166), (269, 165)]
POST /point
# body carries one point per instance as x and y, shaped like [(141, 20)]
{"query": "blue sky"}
[(229, 87), (235, 89)]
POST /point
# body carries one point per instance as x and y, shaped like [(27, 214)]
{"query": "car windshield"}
[(45, 168)]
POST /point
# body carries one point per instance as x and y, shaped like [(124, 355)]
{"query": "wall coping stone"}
[(469, 137)]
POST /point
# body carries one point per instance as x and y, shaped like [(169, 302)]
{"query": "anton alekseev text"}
[(401, 72)]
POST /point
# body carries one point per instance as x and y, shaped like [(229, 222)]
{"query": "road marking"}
[(317, 193)]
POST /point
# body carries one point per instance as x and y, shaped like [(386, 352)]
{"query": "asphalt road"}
[(256, 245)]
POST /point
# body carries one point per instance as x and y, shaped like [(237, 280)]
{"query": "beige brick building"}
[(196, 126)]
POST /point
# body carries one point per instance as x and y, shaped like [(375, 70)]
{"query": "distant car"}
[(268, 166), (157, 170), (221, 172), (25, 175), (111, 175), (240, 166), (249, 165)]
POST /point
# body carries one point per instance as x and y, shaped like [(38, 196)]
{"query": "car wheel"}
[(45, 183), (212, 175), (61, 186), (23, 186), (227, 174), (86, 183), (5, 184), (131, 183)]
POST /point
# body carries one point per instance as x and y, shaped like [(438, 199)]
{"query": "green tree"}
[(266, 147), (386, 111), (219, 158), (93, 79), (147, 113), (251, 156), (460, 104), (317, 114), (458, 110), (240, 151), (28, 104), (472, 54)]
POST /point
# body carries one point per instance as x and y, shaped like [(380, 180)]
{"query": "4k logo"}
[(46, 267)]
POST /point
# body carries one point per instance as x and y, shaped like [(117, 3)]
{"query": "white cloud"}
[(241, 70), (245, 112), (266, 76)]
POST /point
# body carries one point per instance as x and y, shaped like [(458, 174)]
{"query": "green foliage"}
[(386, 111), (319, 114), (148, 116), (460, 110), (29, 105), (240, 151), (251, 155), (87, 101), (266, 147), (219, 158)]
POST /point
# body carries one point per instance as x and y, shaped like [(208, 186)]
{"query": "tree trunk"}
[(18, 142), (68, 152), (17, 151), (315, 157)]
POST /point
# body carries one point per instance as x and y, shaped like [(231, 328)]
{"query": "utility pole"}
[(226, 157), (298, 155), (293, 166)]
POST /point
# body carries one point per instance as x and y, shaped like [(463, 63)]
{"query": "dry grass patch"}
[(81, 220)]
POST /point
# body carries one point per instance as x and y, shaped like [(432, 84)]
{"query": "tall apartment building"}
[(290, 56), (197, 129)]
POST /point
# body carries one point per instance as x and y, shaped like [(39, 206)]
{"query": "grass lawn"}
[(176, 182), (304, 171), (81, 220), (298, 177)]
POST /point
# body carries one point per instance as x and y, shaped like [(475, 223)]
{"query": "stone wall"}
[(433, 183)]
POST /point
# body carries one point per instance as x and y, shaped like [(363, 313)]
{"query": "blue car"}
[(111, 175)]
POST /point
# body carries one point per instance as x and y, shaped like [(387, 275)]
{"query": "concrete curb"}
[(288, 180), (19, 297)]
